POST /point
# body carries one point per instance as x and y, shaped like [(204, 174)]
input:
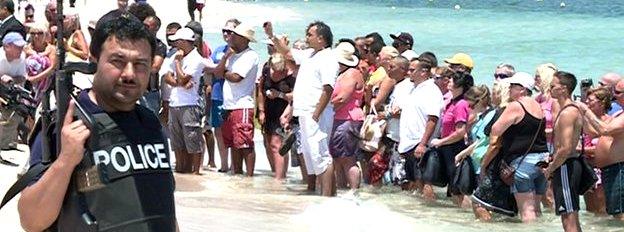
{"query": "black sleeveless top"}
[(275, 107), (518, 137)]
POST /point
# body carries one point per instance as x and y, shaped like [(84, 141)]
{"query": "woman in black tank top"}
[(276, 85), (518, 139)]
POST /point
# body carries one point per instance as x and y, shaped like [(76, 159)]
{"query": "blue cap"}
[(14, 38)]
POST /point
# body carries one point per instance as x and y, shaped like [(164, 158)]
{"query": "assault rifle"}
[(62, 86)]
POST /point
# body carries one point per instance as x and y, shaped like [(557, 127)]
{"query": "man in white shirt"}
[(420, 111), (12, 71), (317, 75), (184, 111), (397, 72), (239, 68)]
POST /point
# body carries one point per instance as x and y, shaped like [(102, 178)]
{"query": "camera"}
[(587, 82)]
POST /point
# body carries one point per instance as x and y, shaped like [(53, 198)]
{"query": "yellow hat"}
[(461, 58)]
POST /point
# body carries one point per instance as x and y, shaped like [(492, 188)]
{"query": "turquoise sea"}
[(584, 37)]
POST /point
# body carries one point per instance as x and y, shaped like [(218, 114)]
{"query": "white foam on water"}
[(342, 214)]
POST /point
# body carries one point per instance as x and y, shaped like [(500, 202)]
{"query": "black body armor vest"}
[(119, 185)]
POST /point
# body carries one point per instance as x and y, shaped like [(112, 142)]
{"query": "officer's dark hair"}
[(8, 4), (141, 10), (122, 28), (566, 79), (324, 31), (347, 40), (174, 25)]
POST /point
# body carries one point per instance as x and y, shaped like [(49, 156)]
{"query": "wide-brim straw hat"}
[(345, 54)]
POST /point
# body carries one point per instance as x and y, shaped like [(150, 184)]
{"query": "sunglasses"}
[(501, 76), (226, 32), (617, 92), (37, 33), (438, 77)]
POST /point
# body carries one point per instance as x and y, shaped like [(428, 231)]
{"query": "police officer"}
[(138, 195)]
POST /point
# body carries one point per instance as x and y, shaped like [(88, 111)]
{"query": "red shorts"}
[(238, 128), (199, 6)]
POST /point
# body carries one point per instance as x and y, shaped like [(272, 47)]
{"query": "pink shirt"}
[(454, 112), (546, 106), (351, 109)]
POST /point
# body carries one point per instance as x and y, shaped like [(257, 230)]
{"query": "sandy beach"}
[(191, 216), (223, 202)]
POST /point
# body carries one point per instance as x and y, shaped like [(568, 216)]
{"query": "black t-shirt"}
[(161, 50), (143, 130)]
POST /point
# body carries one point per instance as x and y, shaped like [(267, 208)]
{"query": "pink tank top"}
[(351, 110), (546, 106)]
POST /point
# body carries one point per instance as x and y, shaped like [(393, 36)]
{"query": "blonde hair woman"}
[(75, 43), (40, 58), (486, 108), (276, 86), (543, 78)]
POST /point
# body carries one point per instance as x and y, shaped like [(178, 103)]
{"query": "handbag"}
[(588, 175), (506, 171), (433, 170), (465, 178), (371, 132)]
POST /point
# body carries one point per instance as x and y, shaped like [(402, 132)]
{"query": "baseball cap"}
[(183, 34), (403, 37), (14, 38), (461, 58), (522, 78)]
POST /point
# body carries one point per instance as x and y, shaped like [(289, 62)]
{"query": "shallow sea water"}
[(220, 202), (585, 38)]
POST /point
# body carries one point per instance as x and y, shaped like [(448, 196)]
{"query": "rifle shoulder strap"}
[(23, 182)]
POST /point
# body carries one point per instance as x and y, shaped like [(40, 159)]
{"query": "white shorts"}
[(315, 141)]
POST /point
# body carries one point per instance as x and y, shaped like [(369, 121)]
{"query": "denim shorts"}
[(528, 177), (613, 183)]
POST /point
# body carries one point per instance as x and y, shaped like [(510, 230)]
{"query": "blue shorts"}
[(528, 177), (613, 183), (216, 113)]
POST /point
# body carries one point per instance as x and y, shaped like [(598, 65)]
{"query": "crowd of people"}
[(527, 140)]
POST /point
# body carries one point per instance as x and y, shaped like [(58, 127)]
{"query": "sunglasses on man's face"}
[(501, 76), (226, 32)]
